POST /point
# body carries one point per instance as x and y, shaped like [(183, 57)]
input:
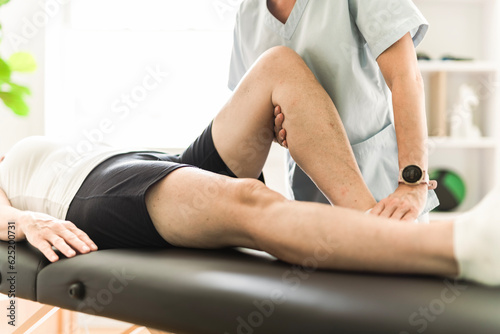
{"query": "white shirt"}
[(43, 175), (340, 41)]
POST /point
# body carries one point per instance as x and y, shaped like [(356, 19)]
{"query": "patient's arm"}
[(9, 214), (42, 231)]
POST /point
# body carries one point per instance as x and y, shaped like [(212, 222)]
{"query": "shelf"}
[(453, 1), (444, 215), (474, 66), (447, 142), (462, 28)]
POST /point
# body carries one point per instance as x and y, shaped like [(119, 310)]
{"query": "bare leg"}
[(243, 130), (194, 208)]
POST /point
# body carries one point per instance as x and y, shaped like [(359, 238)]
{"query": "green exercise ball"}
[(451, 188)]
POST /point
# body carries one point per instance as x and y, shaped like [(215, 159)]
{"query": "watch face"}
[(412, 174)]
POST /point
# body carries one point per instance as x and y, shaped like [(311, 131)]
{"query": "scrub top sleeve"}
[(236, 66), (383, 22)]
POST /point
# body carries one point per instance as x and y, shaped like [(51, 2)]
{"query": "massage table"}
[(233, 291)]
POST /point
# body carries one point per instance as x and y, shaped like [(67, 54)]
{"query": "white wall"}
[(468, 28), (455, 28), (20, 19)]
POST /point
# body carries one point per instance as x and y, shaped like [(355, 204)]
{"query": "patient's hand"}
[(44, 231), (279, 132)]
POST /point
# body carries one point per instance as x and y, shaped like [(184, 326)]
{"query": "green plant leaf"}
[(15, 102), (5, 71), (22, 62), (3, 2), (18, 89)]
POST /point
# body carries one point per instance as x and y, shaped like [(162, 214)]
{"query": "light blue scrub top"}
[(340, 41)]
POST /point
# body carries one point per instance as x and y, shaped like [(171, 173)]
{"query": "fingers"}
[(279, 132), (282, 138), (278, 122), (82, 237), (388, 211), (277, 111), (410, 216), (62, 246), (378, 208), (391, 208), (400, 212), (68, 239), (405, 203), (63, 235), (405, 212), (46, 250)]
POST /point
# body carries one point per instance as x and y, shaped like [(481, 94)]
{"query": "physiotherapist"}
[(363, 54)]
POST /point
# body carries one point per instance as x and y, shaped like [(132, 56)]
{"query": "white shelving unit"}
[(470, 30), (477, 66)]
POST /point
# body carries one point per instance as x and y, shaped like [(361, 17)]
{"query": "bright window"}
[(143, 73)]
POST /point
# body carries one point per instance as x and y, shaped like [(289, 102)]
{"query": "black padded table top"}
[(229, 291)]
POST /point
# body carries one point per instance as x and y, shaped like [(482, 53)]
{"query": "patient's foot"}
[(477, 241)]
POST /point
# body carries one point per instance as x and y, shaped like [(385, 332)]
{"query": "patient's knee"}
[(280, 58), (255, 194), (282, 53)]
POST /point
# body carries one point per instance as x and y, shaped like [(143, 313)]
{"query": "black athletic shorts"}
[(110, 204)]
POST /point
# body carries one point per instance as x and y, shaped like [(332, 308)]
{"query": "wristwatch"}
[(414, 175)]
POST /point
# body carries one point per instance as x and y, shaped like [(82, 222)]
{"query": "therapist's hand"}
[(44, 231), (405, 203), (279, 132)]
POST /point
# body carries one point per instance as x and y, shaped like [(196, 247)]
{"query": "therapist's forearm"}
[(410, 120), (402, 75)]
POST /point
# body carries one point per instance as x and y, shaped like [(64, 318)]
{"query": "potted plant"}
[(13, 95)]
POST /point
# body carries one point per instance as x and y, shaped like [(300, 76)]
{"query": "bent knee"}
[(280, 58), (282, 53), (254, 193)]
